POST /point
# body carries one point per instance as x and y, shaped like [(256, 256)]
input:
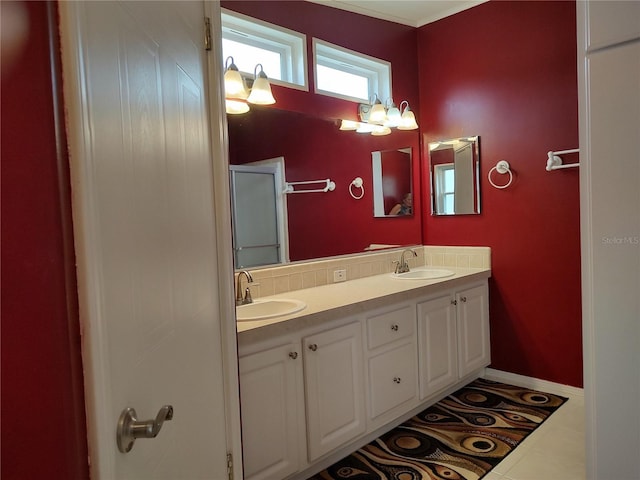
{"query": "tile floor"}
[(555, 451)]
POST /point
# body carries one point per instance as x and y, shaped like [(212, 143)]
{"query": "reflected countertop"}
[(338, 300)]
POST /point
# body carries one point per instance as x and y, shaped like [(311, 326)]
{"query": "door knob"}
[(130, 428)]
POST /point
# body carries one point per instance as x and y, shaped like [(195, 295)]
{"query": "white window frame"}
[(291, 45), (439, 172), (334, 56)]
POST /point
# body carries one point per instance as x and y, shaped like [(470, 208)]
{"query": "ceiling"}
[(414, 13)]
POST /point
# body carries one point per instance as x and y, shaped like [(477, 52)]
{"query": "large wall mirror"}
[(454, 170), (317, 225)]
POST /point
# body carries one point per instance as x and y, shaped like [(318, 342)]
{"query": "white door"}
[(145, 235)]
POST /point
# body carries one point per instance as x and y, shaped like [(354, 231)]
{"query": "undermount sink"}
[(423, 274), (271, 308)]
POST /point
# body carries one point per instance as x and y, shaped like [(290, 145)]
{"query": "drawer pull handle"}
[(454, 302), (394, 328), (313, 347), (397, 379), (464, 299), (293, 355)]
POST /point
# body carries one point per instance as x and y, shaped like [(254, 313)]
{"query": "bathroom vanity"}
[(362, 357)]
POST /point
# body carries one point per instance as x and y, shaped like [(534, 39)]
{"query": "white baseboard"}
[(533, 383)]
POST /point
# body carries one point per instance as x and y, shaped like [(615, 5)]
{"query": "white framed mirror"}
[(454, 166)]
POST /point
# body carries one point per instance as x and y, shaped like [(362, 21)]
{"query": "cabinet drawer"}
[(390, 326), (392, 378)]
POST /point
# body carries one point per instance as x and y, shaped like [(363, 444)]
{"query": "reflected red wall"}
[(333, 223), (507, 71), (395, 182), (43, 420)]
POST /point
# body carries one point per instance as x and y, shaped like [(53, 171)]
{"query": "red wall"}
[(385, 40), (514, 84), (507, 71), (43, 429), (334, 223)]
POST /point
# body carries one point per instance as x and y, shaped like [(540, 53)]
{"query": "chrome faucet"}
[(402, 266), (243, 300)]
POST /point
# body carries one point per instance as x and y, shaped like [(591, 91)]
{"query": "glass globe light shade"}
[(236, 107)]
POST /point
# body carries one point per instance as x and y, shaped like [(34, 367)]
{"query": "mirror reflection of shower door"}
[(255, 198)]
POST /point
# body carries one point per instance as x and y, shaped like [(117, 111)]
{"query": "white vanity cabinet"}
[(453, 332), (334, 387), (392, 362), (271, 400), (316, 391)]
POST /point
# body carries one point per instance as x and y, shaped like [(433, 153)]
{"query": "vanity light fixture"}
[(378, 119), (347, 125), (377, 113), (365, 128), (407, 119), (261, 89), (237, 98), (394, 117)]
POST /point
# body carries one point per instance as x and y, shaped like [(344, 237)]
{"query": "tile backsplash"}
[(296, 276)]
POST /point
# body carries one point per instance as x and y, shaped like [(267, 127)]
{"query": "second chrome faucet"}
[(240, 299), (402, 266)]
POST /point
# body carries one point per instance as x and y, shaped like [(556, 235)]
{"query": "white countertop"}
[(336, 300)]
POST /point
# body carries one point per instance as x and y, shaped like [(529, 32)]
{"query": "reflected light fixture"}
[(378, 119), (380, 130), (346, 125), (364, 128), (237, 98)]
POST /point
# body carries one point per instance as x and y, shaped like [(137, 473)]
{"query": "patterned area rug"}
[(462, 437)]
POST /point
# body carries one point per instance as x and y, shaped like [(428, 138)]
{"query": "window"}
[(281, 52), (349, 75), (445, 186)]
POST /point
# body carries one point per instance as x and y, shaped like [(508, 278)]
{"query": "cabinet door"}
[(437, 345), (392, 379), (473, 329), (611, 22), (334, 388), (272, 412)]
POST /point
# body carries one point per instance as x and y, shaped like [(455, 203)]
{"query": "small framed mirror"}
[(455, 176), (392, 183)]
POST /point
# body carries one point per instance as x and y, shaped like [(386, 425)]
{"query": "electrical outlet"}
[(339, 276)]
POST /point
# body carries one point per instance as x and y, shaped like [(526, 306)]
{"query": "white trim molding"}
[(533, 383)]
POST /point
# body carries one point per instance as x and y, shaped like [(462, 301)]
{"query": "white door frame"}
[(222, 194)]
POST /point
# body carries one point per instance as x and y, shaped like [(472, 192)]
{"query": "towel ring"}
[(357, 183), (501, 167)]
